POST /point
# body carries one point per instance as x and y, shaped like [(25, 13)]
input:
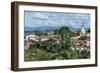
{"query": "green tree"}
[(65, 37), (83, 38)]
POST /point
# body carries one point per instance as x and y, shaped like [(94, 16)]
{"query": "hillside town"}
[(77, 43), (81, 44)]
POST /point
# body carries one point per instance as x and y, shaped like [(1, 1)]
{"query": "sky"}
[(56, 19)]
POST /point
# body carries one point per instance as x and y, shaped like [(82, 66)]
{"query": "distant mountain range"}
[(40, 28), (48, 28)]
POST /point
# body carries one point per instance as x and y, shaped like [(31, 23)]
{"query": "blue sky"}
[(56, 19)]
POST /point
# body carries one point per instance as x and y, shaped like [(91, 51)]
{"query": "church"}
[(82, 31)]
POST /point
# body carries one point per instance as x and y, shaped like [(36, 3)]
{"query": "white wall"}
[(5, 31)]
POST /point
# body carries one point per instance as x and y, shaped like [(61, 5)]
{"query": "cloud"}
[(40, 15)]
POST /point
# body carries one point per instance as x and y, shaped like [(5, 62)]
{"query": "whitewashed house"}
[(31, 37)]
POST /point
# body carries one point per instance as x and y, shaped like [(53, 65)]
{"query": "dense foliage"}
[(51, 50)]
